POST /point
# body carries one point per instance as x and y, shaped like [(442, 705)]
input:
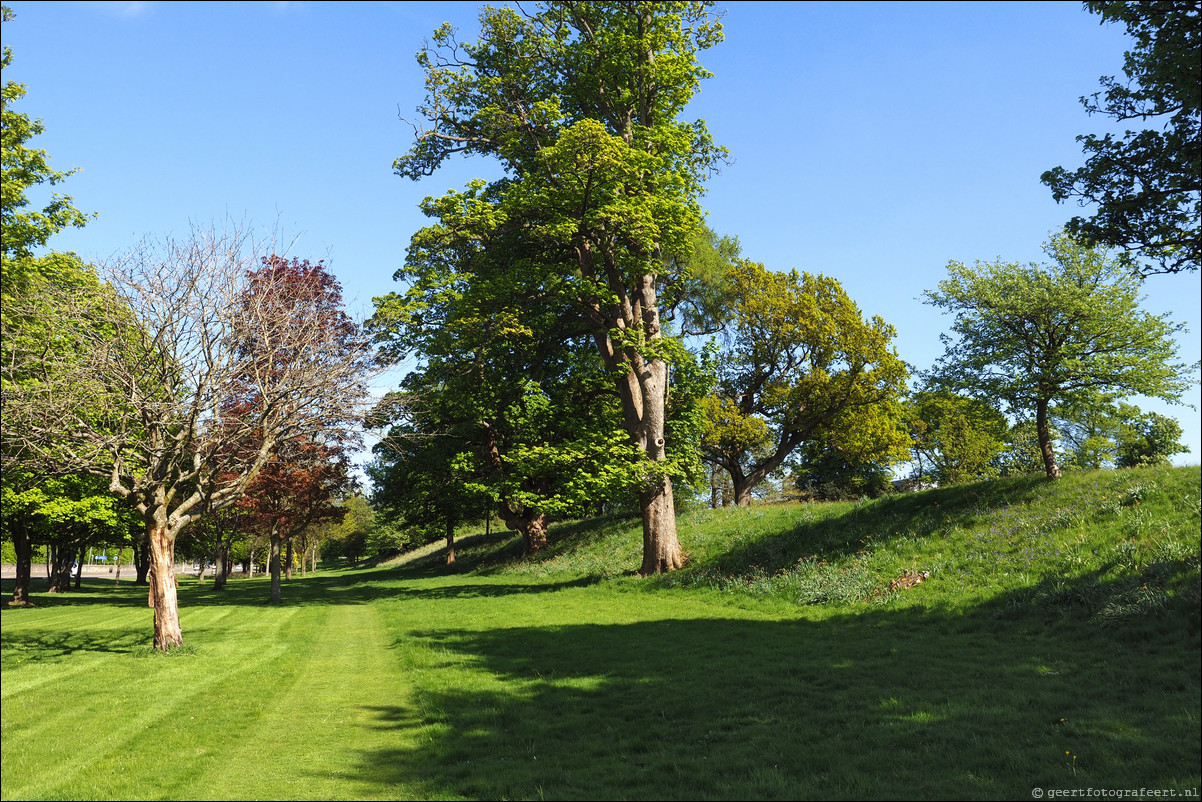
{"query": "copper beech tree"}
[(193, 330)]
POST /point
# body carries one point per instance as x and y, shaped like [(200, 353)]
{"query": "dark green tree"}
[(1146, 184)]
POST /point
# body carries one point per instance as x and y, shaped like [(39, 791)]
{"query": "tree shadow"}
[(883, 703)]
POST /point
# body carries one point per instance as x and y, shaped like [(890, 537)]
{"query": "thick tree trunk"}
[(1043, 430), (23, 544), (743, 487), (531, 525), (60, 569), (163, 595), (661, 548), (274, 564)]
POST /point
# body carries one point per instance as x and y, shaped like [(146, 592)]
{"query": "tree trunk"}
[(219, 566), (450, 540), (661, 548), (163, 595), (743, 486), (274, 564), (288, 558), (83, 554), (1044, 431), (60, 569), (141, 561), (531, 525), (23, 543), (120, 558)]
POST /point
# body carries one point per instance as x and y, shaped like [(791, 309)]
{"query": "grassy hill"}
[(1054, 645)]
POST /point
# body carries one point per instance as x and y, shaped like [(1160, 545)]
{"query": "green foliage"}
[(580, 104), (955, 439), (1021, 454), (1147, 184), (1147, 439), (804, 366), (25, 168), (826, 474), (1037, 335)]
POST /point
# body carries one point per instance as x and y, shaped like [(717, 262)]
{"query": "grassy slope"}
[(1056, 644)]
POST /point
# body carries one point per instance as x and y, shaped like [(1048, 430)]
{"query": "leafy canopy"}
[(804, 366), (1146, 184), (1057, 330), (1031, 336)]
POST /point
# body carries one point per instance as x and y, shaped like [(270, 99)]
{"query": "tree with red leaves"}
[(299, 487)]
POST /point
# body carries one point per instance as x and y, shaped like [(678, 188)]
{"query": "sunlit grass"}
[(776, 665)]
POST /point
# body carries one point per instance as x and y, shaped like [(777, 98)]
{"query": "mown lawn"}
[(547, 679)]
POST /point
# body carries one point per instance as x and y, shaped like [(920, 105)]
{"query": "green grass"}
[(1059, 620)]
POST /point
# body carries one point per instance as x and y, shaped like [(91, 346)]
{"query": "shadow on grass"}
[(881, 703), (337, 587)]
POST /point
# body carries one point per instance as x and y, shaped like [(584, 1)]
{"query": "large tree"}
[(804, 367), (1147, 184), (508, 402), (580, 104), (22, 232), (149, 402), (1033, 336)]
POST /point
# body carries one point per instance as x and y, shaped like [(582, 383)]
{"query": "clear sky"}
[(872, 142)]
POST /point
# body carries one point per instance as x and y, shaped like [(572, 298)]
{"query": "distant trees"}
[(1035, 336), (1147, 185), (190, 377), (804, 367)]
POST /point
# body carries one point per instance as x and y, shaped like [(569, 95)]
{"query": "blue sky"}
[(872, 142)]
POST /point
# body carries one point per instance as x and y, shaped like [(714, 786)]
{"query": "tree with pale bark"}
[(580, 103), (183, 337)]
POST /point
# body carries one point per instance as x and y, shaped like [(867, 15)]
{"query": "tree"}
[(299, 486), (1147, 185), (1037, 335), (804, 367), (21, 232), (579, 102), (509, 407), (1147, 439), (187, 363), (954, 438)]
